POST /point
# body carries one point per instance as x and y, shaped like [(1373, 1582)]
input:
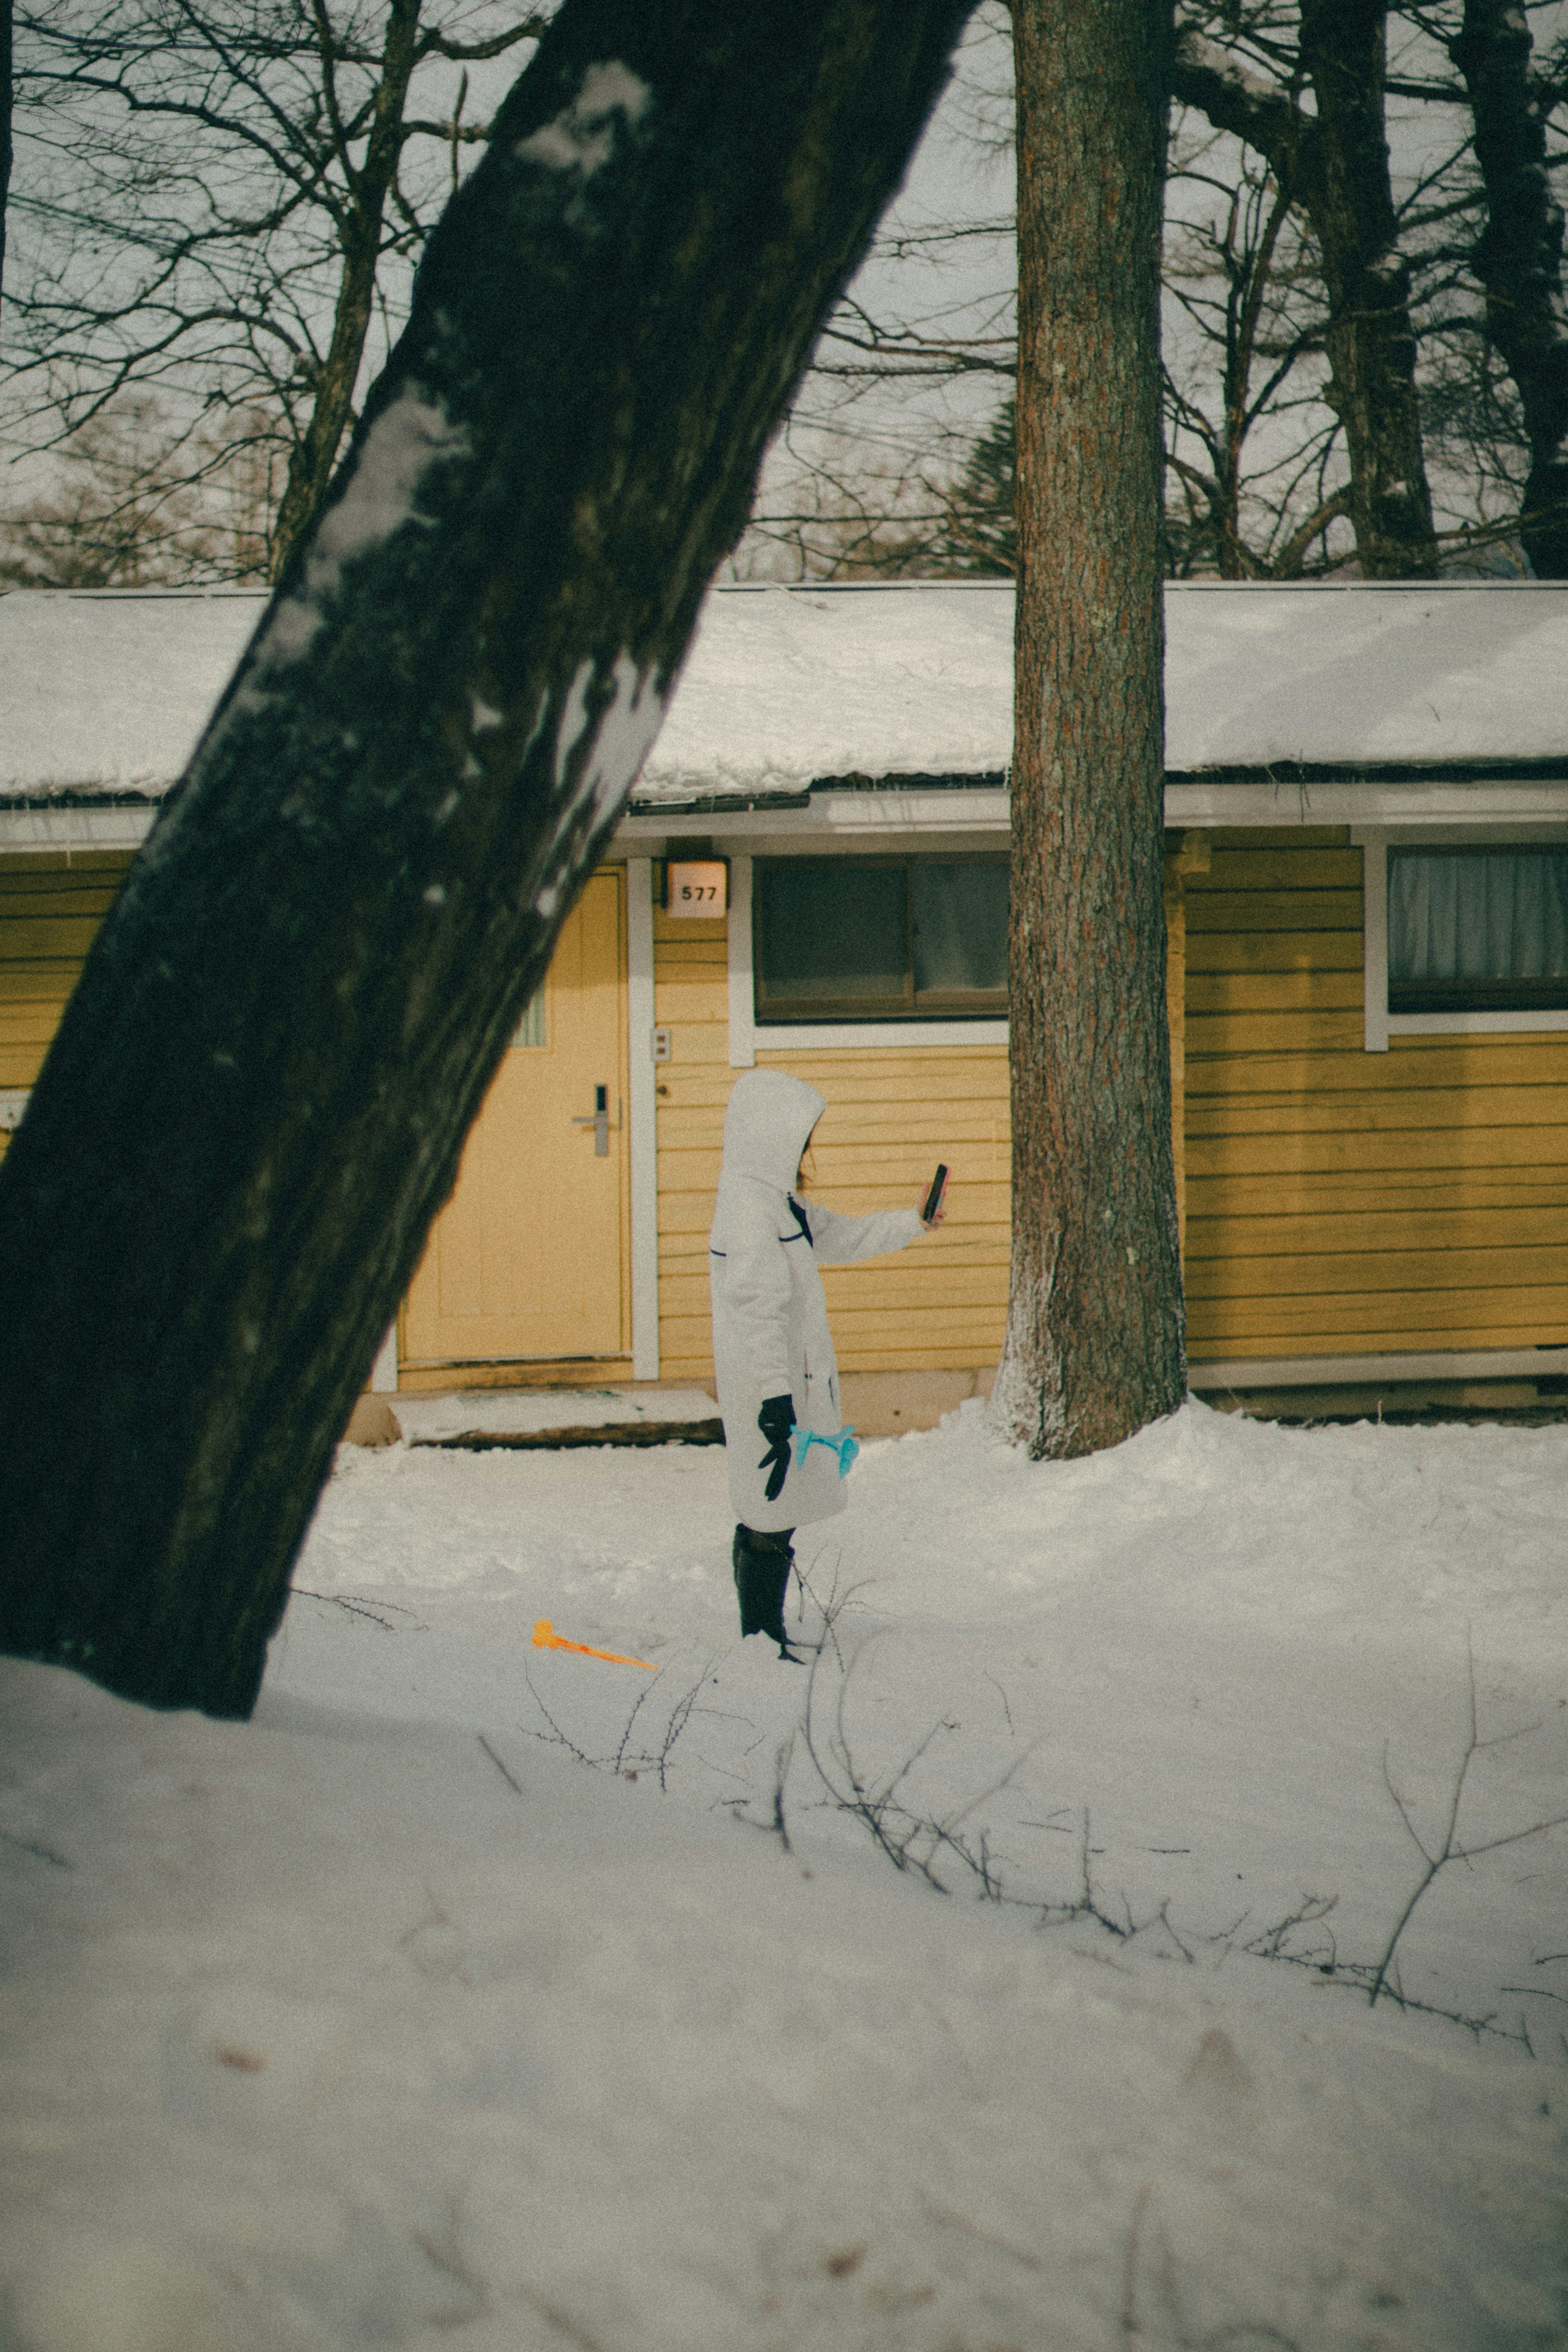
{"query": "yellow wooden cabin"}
[(1367, 901)]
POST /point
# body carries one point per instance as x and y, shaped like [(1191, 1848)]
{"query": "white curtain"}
[(1484, 914), (960, 913)]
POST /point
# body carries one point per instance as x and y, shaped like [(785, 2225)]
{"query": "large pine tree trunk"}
[(258, 1095), (1095, 1343)]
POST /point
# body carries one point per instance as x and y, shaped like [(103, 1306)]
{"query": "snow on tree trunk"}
[(257, 1098), (1095, 1341)]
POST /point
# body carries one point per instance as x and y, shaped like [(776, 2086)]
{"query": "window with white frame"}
[(1465, 933), (1474, 930), (880, 939)]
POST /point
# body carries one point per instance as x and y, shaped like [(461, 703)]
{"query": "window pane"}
[(831, 935), (1477, 930), (530, 1030), (961, 927)]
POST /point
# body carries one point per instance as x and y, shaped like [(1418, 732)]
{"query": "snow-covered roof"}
[(786, 686), (1362, 675), (107, 692)]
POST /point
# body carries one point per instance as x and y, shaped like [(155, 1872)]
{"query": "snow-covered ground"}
[(388, 2019)]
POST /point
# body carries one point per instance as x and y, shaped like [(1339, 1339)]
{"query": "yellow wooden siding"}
[(892, 1114), (1340, 1202), (1336, 1202), (1176, 1014), (50, 910), (691, 1000)]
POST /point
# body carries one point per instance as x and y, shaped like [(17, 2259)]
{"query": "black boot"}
[(753, 1577), (762, 1565)]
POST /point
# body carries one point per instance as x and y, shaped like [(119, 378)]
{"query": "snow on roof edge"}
[(795, 686)]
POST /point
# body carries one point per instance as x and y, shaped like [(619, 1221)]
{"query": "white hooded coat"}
[(770, 1334)]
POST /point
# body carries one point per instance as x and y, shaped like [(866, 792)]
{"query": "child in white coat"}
[(773, 1353)]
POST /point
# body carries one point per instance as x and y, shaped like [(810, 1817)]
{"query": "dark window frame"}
[(1513, 995), (777, 1010)]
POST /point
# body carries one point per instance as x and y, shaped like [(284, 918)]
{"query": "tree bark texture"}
[(6, 107), (1519, 260), (1371, 339), (258, 1095), (1335, 166), (1095, 1341)]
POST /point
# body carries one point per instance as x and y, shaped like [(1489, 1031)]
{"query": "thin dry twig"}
[(1450, 1850), (357, 1607), (645, 1693), (627, 1763), (498, 1765)]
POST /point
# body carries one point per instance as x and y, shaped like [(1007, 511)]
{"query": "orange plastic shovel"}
[(547, 1638)]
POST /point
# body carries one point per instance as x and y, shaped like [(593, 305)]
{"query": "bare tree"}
[(1247, 289), (1094, 1337), (910, 367), (224, 199), (1519, 255), (1370, 335), (1332, 163), (138, 502), (1243, 285), (844, 513), (223, 193), (258, 1095), (5, 109), (1465, 345), (1331, 329), (841, 511)]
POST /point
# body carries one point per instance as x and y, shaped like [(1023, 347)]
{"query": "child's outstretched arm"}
[(837, 1241)]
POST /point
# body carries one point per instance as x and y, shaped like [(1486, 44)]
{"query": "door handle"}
[(599, 1120)]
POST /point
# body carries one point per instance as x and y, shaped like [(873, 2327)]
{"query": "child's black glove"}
[(775, 1420)]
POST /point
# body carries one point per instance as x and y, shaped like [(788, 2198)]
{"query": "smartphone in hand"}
[(933, 1198)]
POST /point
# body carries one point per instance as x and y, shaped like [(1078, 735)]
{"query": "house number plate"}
[(696, 893)]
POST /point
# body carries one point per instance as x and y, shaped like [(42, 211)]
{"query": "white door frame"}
[(642, 1111)]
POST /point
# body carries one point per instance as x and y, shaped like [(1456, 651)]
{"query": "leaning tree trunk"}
[(1094, 1327), (259, 1091), (1370, 339), (1518, 258)]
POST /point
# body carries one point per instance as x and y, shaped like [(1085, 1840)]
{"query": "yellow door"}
[(524, 1261)]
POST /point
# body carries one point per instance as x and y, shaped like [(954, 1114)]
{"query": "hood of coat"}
[(768, 1125)]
